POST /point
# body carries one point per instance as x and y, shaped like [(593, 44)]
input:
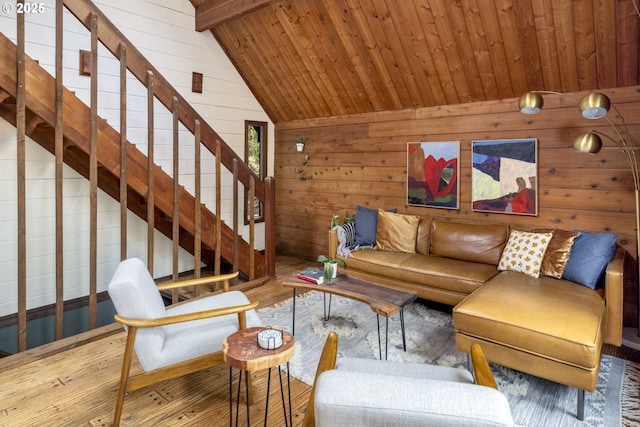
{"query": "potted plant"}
[(300, 144), (330, 267), (335, 219), (302, 170)]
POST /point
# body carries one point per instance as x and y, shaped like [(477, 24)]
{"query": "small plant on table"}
[(330, 267)]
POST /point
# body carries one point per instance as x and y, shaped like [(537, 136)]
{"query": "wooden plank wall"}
[(361, 159)]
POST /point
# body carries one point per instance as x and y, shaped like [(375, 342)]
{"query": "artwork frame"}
[(433, 174), (504, 176)]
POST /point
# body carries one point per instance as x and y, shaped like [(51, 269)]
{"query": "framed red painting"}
[(433, 174)]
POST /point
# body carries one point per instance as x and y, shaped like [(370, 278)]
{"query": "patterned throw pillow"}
[(524, 252)]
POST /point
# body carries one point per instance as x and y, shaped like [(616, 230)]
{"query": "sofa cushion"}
[(507, 311), (366, 225), (590, 254), (468, 242), (448, 274), (396, 232), (524, 252), (423, 239)]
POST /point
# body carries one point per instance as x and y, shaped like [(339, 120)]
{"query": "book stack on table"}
[(313, 275)]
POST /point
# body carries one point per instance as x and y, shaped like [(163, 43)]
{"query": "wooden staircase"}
[(199, 231), (40, 104)]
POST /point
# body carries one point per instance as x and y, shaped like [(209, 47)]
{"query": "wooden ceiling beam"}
[(214, 12)]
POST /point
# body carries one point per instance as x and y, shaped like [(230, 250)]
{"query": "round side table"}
[(241, 351)]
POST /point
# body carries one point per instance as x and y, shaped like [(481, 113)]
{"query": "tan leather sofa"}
[(548, 327)]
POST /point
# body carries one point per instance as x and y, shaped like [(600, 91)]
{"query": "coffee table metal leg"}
[(379, 343), (386, 339), (327, 313), (293, 323), (324, 306), (404, 341)]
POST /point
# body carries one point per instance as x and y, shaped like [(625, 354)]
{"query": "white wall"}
[(163, 31)]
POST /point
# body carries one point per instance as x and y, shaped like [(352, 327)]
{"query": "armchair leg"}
[(124, 375)]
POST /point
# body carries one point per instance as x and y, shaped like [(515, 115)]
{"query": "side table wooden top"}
[(241, 350)]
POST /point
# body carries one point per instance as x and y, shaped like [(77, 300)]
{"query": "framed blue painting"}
[(504, 176)]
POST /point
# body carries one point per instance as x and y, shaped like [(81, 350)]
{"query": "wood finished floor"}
[(77, 387)]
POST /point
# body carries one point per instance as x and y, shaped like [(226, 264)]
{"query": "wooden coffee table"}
[(383, 300)]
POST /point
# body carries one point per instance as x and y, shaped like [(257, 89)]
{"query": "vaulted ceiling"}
[(317, 58)]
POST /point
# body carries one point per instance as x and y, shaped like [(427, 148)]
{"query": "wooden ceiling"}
[(317, 58)]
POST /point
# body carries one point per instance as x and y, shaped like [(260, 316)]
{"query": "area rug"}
[(534, 402)]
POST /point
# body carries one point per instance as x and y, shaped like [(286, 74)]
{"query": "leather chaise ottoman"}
[(544, 327)]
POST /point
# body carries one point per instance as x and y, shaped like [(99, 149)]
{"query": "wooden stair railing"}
[(139, 66), (42, 108), (111, 38), (199, 231)]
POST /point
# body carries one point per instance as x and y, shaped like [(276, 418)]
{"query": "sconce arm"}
[(547, 92), (627, 148)]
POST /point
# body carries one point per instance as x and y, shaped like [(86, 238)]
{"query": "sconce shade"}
[(594, 105), (588, 143), (530, 103)]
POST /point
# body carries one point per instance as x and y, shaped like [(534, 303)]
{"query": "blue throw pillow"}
[(590, 254), (367, 225)]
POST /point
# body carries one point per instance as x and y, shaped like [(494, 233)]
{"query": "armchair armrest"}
[(614, 297), (481, 369), (187, 317), (355, 399), (224, 278)]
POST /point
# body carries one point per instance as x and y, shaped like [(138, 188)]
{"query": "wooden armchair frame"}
[(143, 379), (327, 362), (482, 373)]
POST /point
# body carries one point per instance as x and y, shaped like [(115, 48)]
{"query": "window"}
[(255, 152)]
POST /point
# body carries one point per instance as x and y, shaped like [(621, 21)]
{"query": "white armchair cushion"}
[(348, 398), (187, 340), (403, 369), (134, 294), (133, 291)]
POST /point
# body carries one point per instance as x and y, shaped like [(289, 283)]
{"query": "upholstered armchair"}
[(371, 393), (176, 340)]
